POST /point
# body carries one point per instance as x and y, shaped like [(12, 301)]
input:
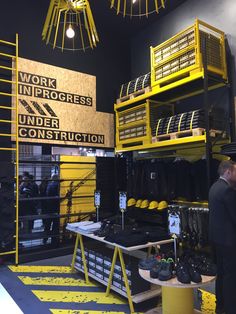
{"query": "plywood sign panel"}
[(58, 106)]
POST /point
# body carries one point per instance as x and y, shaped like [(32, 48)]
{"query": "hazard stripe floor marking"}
[(77, 296), (55, 281), (57, 311), (41, 269), (208, 302)]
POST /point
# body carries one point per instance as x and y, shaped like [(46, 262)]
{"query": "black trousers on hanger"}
[(226, 279)]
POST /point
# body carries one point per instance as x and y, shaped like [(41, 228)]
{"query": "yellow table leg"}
[(131, 306), (83, 258), (111, 271), (74, 254), (177, 300)]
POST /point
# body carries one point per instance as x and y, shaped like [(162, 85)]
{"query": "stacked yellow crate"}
[(182, 55)]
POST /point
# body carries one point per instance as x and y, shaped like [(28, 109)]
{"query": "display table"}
[(177, 298), (118, 251)]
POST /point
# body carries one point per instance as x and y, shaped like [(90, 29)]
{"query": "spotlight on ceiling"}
[(69, 25), (137, 7)]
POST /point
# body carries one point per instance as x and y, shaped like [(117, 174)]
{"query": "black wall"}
[(109, 62)]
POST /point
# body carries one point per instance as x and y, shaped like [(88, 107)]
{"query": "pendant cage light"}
[(69, 25), (137, 8)]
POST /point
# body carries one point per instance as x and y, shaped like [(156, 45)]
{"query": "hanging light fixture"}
[(137, 7), (69, 25)]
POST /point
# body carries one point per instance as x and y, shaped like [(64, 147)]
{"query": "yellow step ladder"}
[(9, 68)]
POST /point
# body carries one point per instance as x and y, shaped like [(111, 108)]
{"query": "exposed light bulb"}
[(134, 1), (70, 33)]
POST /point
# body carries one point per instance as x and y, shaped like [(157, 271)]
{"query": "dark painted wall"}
[(218, 13), (109, 62)]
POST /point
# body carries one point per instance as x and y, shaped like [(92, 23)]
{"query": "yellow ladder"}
[(9, 66)]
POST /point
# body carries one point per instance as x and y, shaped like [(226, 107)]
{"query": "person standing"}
[(222, 234), (53, 208)]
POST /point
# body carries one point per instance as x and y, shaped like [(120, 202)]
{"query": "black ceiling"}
[(108, 21)]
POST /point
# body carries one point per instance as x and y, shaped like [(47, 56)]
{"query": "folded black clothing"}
[(138, 236), (128, 238)]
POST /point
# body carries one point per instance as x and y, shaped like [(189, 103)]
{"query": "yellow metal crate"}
[(182, 55), (134, 126)]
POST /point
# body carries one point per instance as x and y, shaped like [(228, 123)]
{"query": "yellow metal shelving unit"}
[(180, 59), (135, 125), (178, 71), (9, 90)]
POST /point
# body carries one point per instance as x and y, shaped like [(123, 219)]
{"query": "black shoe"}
[(205, 266), (166, 270), (182, 273), (104, 230), (194, 274), (154, 272), (148, 263)]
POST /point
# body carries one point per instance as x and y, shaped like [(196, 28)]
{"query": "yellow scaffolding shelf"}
[(165, 145)]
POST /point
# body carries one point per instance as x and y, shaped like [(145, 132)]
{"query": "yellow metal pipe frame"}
[(5, 134), (7, 81), (7, 108), (7, 149), (118, 251), (7, 68), (7, 94), (76, 14), (79, 241), (139, 8), (7, 55), (74, 253), (131, 306), (17, 155), (7, 121), (83, 258), (7, 42), (7, 253), (16, 148)]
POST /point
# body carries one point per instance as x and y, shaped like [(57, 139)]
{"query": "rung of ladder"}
[(6, 134), (7, 55), (7, 148), (6, 253), (7, 94), (7, 81), (8, 121), (7, 68), (7, 108), (7, 42)]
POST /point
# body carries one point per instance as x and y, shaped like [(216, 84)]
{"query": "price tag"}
[(122, 200), (97, 198), (174, 224)]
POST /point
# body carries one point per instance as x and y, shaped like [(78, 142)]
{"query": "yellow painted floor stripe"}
[(208, 302), (41, 269), (55, 281), (57, 311), (77, 296)]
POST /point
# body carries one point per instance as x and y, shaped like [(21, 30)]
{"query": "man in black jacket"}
[(222, 232)]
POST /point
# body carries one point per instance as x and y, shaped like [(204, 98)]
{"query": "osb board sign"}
[(58, 106)]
